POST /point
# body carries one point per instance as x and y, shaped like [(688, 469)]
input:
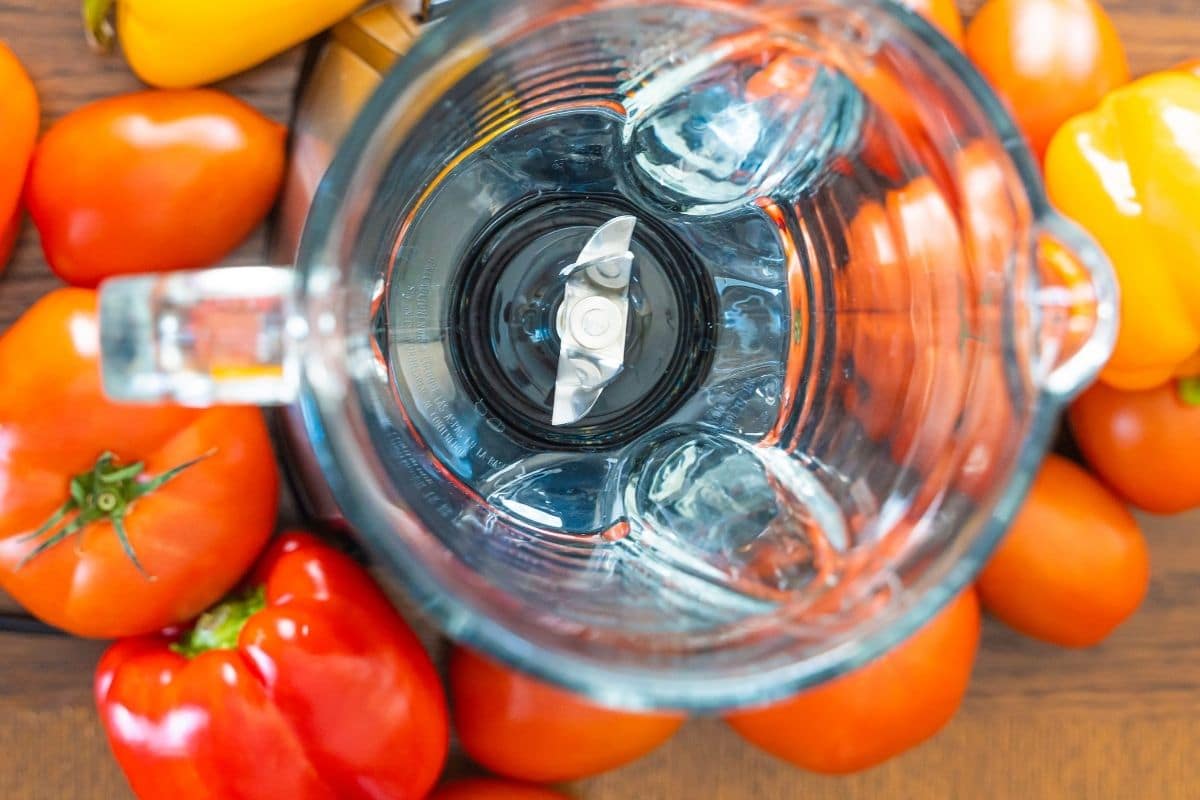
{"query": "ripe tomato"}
[(1143, 444), (19, 124), (522, 728), (87, 486), (152, 181), (943, 14), (1050, 59), (492, 789), (1074, 565), (880, 710)]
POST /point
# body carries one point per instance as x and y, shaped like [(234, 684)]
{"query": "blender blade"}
[(592, 320)]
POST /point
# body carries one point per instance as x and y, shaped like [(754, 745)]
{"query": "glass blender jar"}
[(682, 353)]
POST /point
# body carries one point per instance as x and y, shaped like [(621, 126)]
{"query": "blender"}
[(683, 354)]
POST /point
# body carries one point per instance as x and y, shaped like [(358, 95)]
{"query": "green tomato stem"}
[(106, 492)]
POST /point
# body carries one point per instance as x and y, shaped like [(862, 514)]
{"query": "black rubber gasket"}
[(478, 367)]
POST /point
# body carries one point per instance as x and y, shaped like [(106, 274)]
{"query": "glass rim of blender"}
[(622, 686)]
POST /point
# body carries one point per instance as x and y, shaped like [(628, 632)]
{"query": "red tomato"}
[(522, 728), (1050, 59), (19, 127), (492, 789), (152, 181), (1143, 444), (1074, 565), (880, 710), (943, 14), (86, 486)]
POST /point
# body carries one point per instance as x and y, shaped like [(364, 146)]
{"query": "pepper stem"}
[(220, 627), (1189, 390), (104, 493), (97, 24)]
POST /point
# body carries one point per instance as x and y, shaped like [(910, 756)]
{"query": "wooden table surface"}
[(1118, 721)]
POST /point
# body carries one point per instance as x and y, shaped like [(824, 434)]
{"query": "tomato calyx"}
[(1189, 390), (220, 627), (105, 492), (97, 24)]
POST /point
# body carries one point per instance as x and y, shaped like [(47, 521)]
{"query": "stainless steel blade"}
[(592, 320)]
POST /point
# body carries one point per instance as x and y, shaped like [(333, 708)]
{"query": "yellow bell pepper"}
[(1129, 172), (184, 43)]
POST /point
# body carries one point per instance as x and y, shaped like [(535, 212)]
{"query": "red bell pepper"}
[(308, 687)]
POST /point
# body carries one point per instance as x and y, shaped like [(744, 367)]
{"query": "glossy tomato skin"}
[(19, 112), (1143, 444), (195, 536), (521, 728), (1073, 566), (880, 710), (943, 14), (324, 693), (1049, 59), (493, 789), (152, 181)]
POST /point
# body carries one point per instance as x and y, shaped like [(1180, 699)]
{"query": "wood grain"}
[(1119, 721)]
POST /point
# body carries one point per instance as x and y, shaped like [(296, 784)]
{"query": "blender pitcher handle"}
[(202, 338), (1078, 299)]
